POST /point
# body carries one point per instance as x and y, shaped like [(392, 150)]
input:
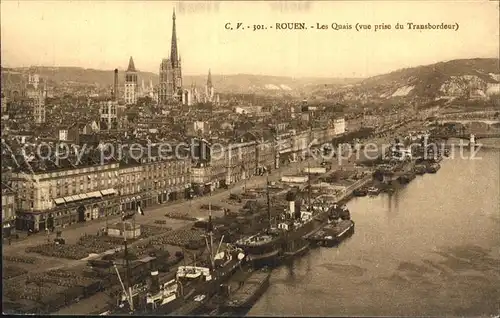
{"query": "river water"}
[(430, 249)]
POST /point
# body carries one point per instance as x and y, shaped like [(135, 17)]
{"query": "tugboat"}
[(284, 241), (373, 191), (265, 248), (295, 224), (433, 168)]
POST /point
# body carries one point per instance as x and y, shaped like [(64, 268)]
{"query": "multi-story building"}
[(39, 107), (166, 179), (8, 211), (240, 160), (154, 178), (266, 155), (339, 126), (130, 187), (300, 142), (4, 107), (209, 168), (131, 88), (170, 86), (198, 128), (109, 115), (58, 195)]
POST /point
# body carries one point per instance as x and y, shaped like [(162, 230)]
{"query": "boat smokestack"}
[(155, 284), (290, 197), (115, 86), (298, 205)]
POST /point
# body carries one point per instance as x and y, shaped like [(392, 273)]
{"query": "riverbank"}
[(419, 251)]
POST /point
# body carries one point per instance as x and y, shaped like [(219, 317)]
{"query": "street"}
[(72, 235)]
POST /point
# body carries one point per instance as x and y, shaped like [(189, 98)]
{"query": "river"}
[(430, 249)]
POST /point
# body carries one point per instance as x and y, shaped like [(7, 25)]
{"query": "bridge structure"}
[(468, 121), (470, 136)]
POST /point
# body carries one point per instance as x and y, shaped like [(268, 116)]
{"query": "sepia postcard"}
[(250, 158)]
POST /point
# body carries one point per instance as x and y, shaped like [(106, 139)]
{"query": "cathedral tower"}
[(170, 87), (209, 89), (131, 83)]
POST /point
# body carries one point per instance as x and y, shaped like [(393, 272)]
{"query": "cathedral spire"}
[(131, 66), (173, 47), (209, 80)]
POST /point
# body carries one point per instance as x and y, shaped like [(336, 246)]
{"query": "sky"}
[(104, 34)]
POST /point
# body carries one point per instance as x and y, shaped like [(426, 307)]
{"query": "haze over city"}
[(104, 34)]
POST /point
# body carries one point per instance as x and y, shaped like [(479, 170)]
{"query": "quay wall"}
[(347, 194)]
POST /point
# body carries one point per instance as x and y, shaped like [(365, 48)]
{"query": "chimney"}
[(155, 284), (115, 86)]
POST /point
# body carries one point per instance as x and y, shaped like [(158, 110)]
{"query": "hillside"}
[(239, 83), (468, 79), (457, 79)]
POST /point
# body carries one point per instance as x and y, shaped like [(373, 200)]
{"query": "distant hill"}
[(458, 79), (466, 79), (101, 78), (240, 83)]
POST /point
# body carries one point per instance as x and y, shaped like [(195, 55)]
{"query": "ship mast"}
[(309, 208), (210, 239), (268, 200), (127, 271)]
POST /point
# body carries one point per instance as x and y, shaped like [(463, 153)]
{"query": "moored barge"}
[(333, 233), (242, 300)]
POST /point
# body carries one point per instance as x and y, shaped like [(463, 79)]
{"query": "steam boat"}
[(192, 286), (284, 240)]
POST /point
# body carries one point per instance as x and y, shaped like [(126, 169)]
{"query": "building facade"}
[(52, 199), (8, 211), (240, 161), (109, 115), (339, 126)]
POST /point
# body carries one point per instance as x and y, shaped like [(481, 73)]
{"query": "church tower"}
[(131, 83), (170, 87), (209, 89)]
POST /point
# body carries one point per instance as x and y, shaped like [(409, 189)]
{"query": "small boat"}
[(420, 169), (433, 168), (373, 191), (361, 192), (389, 190)]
